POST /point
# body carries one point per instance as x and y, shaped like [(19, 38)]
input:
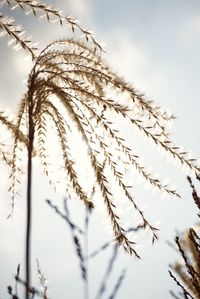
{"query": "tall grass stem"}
[(29, 196)]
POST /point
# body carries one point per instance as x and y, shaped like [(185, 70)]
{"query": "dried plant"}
[(14, 292), (33, 291), (188, 271), (17, 36), (71, 89)]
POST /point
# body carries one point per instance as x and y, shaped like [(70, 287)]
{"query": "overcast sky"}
[(155, 46)]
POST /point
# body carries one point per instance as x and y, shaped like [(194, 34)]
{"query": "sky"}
[(154, 45)]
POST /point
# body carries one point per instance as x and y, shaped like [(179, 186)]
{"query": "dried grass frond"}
[(12, 127), (70, 85), (188, 271), (16, 162), (12, 156), (17, 35)]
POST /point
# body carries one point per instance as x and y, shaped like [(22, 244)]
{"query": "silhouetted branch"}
[(73, 229), (107, 272), (107, 244), (174, 295), (194, 193), (185, 292), (64, 216), (118, 284)]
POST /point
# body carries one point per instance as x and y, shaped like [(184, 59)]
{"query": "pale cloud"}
[(79, 8), (22, 64), (14, 74), (194, 24), (126, 56), (192, 27), (133, 61)]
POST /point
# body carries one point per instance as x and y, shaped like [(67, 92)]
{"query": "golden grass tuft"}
[(71, 85)]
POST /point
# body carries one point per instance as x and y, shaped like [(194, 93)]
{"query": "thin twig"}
[(185, 292), (64, 216), (107, 272), (118, 284)]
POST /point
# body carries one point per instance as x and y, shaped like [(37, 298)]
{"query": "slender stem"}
[(86, 291), (29, 198)]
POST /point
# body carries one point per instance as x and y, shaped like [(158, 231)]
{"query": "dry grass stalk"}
[(69, 72), (69, 84), (188, 246)]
